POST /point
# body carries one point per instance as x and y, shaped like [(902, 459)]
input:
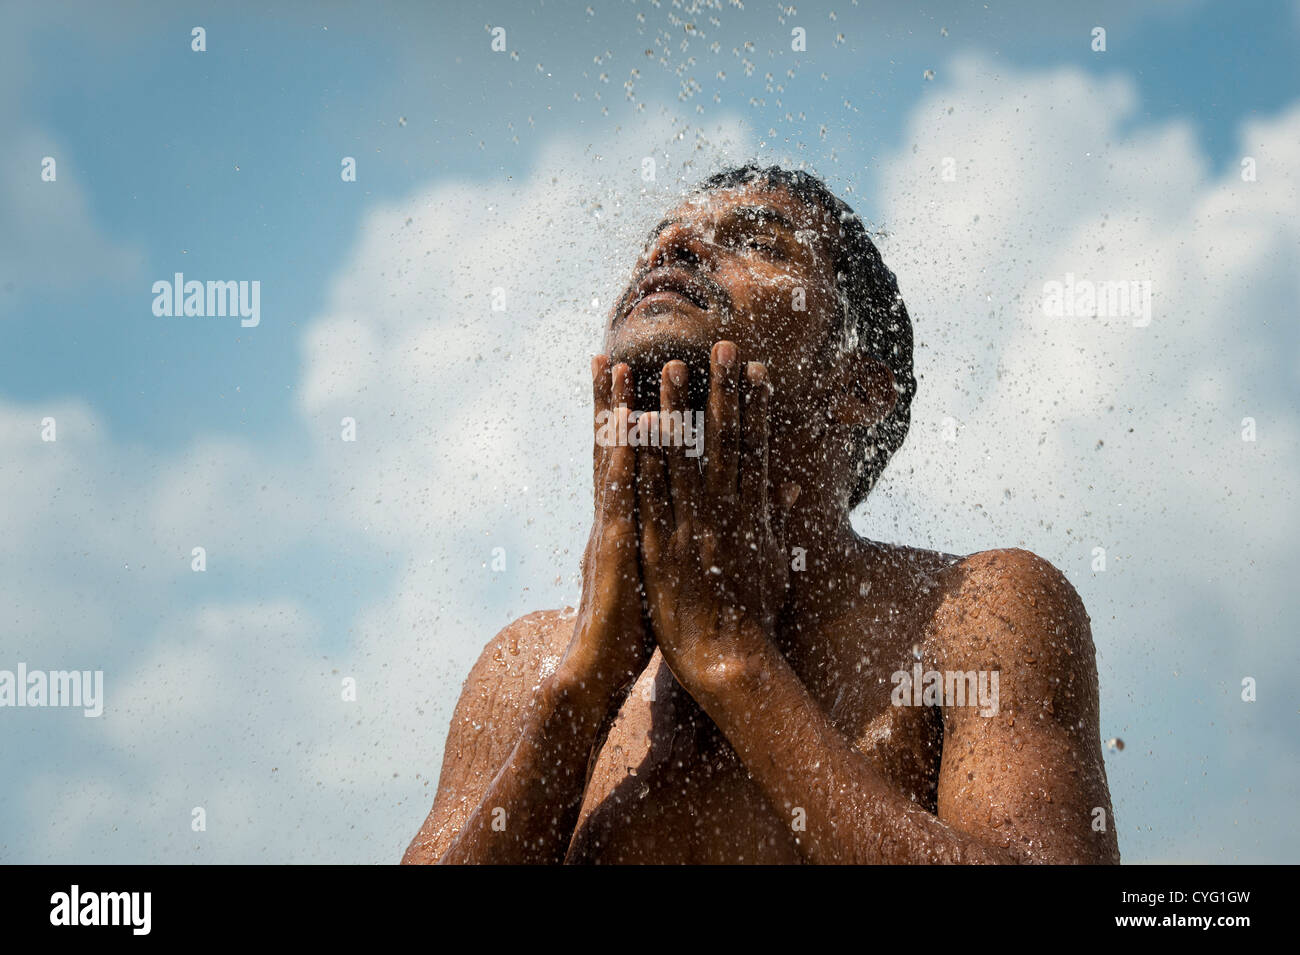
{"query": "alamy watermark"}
[(675, 429), (130, 909), (211, 299), (946, 688), (1084, 298), (71, 688)]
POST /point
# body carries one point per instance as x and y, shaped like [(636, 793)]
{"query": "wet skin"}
[(714, 700)]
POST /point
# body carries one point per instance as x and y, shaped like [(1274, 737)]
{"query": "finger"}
[(653, 508), (722, 421), (600, 395), (683, 472), (620, 478), (753, 453), (786, 496)]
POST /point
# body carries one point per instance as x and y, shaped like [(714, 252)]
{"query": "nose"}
[(680, 244)]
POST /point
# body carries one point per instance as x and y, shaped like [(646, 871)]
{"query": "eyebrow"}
[(761, 215)]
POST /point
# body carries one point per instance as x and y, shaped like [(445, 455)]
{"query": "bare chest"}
[(666, 787)]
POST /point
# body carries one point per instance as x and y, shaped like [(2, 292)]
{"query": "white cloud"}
[(1049, 186)]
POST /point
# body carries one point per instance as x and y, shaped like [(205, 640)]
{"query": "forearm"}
[(528, 813), (801, 761)]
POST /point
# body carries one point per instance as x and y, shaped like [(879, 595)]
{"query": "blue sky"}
[(371, 558)]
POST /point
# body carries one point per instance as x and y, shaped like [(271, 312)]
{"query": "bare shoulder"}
[(1005, 598), (488, 720), (1009, 609), (507, 672), (524, 649), (1014, 586)]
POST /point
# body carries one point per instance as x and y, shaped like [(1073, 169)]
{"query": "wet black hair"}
[(874, 314)]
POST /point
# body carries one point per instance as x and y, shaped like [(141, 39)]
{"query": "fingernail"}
[(726, 354), (677, 372), (595, 365), (755, 371)]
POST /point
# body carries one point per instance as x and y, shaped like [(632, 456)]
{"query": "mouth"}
[(669, 286)]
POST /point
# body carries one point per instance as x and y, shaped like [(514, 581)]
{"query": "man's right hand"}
[(523, 807), (611, 643)]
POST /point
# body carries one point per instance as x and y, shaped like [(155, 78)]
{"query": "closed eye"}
[(767, 244)]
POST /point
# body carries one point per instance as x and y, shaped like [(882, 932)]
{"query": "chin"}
[(646, 345)]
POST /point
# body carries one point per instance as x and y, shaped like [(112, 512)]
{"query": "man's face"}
[(750, 265)]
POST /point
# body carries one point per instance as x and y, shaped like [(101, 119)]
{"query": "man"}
[(747, 680)]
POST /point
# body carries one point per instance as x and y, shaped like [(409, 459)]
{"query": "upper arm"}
[(485, 726), (1029, 778)]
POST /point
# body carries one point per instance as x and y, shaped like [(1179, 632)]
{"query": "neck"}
[(834, 561)]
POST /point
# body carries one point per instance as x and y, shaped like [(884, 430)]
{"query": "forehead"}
[(717, 204)]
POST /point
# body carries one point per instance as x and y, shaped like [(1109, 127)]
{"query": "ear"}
[(865, 394)]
